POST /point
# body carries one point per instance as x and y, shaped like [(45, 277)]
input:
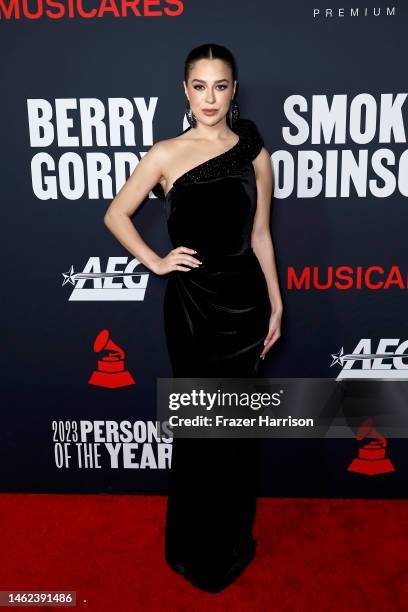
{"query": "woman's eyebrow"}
[(219, 80)]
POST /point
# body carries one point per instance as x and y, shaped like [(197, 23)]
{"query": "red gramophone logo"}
[(111, 371), (371, 458)]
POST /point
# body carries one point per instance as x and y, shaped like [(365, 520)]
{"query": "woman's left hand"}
[(273, 333)]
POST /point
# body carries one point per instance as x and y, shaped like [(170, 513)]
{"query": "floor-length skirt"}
[(212, 490)]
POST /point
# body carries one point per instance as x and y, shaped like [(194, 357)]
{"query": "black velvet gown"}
[(216, 319)]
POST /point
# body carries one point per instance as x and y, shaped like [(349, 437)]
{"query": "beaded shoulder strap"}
[(246, 149)]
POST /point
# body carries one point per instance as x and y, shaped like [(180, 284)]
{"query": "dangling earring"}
[(233, 112), (190, 115)]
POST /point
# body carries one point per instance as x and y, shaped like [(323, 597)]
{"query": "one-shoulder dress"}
[(216, 318)]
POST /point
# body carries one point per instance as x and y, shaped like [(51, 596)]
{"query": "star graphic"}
[(337, 357), (69, 276)]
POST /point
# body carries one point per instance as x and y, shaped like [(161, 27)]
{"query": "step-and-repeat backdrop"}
[(87, 89)]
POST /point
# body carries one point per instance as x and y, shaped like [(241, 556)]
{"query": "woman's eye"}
[(222, 86)]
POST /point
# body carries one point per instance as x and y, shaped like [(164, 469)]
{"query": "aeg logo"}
[(92, 284), (381, 364)]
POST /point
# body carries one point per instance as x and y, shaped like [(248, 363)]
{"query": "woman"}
[(222, 306)]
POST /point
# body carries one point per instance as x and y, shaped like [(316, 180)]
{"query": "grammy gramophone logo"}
[(110, 372), (371, 458)]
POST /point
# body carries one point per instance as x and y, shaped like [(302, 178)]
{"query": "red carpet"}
[(312, 555)]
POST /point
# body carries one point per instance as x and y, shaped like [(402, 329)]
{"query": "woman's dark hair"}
[(210, 51)]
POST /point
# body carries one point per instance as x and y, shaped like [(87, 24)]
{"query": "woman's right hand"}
[(174, 260)]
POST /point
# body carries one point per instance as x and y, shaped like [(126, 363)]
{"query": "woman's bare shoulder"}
[(168, 146), (167, 152)]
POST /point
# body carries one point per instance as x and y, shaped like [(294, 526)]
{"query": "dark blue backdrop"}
[(66, 84)]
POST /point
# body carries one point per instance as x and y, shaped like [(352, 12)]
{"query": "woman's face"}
[(210, 86)]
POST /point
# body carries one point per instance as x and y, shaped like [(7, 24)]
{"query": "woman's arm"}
[(145, 176), (261, 242)]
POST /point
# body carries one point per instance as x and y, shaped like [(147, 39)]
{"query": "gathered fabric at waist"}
[(226, 263)]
